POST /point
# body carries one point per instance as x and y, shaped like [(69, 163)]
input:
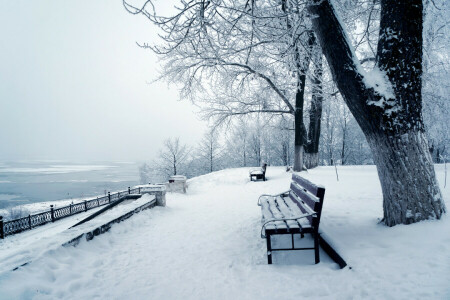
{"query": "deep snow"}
[(206, 245)]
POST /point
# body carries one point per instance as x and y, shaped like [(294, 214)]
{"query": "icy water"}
[(30, 182)]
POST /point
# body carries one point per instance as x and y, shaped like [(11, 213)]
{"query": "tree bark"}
[(311, 158), (406, 172), (300, 130), (344, 133), (393, 126), (302, 65)]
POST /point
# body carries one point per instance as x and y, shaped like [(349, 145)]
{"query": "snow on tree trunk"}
[(298, 158), (311, 160), (387, 104)]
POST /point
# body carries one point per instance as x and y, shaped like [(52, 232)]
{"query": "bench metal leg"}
[(316, 247), (292, 241), (269, 250)]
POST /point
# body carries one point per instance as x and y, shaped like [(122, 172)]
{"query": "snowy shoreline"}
[(38, 207)]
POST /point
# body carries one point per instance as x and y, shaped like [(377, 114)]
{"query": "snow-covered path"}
[(206, 245)]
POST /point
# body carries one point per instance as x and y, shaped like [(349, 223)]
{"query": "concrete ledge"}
[(105, 227), (107, 207)]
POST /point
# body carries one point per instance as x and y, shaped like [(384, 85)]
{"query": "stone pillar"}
[(155, 189), (177, 184)]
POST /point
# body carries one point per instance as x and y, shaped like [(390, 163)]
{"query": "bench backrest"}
[(308, 196), (263, 168)]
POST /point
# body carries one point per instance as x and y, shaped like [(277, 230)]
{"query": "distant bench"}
[(259, 173), (296, 211)]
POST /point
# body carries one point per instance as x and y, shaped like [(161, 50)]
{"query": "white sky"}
[(73, 84)]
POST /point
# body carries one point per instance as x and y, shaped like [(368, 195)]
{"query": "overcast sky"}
[(74, 84)]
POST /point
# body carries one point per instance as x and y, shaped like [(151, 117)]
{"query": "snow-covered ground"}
[(206, 245)]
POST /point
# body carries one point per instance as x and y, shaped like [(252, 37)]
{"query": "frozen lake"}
[(30, 182)]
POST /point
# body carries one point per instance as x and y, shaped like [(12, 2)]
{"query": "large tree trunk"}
[(300, 131), (405, 169), (389, 110), (311, 158), (302, 65)]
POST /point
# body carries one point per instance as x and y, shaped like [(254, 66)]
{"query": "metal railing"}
[(55, 214)]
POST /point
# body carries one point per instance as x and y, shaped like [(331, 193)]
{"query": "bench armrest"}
[(273, 196), (285, 219)]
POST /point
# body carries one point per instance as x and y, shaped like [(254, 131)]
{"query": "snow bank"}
[(206, 245)]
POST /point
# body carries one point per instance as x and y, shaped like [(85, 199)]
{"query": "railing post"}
[(29, 221), (2, 232), (85, 205), (109, 197), (52, 212), (129, 191), (70, 208)]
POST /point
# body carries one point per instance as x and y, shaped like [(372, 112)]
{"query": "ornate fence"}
[(55, 214)]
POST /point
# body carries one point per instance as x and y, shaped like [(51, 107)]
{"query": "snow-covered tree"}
[(209, 151), (173, 158), (387, 103), (243, 50)]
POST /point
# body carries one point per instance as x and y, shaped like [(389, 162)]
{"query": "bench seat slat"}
[(269, 213), (282, 208), (273, 206), (303, 207), (296, 211), (286, 213)]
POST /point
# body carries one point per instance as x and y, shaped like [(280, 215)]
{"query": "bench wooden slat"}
[(308, 185), (296, 211), (273, 206), (276, 208), (304, 208), (269, 213), (287, 213), (308, 198)]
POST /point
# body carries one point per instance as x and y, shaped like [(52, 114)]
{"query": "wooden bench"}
[(259, 173), (296, 211)]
